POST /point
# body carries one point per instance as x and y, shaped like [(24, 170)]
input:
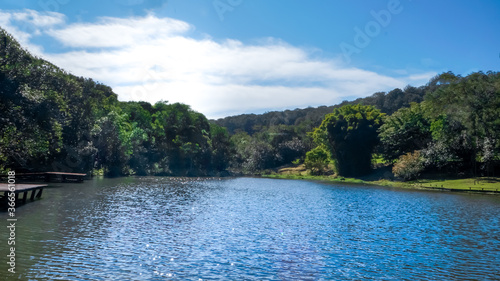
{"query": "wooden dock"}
[(64, 176), (36, 192)]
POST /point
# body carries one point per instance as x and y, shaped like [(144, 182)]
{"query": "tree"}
[(221, 146), (112, 138), (181, 140), (253, 153), (406, 130), (350, 135)]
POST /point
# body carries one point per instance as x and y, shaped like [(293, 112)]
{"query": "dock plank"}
[(50, 176), (21, 187)]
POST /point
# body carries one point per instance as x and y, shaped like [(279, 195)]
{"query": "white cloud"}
[(154, 59), (421, 78), (46, 19), (231, 99), (117, 32), (28, 23)]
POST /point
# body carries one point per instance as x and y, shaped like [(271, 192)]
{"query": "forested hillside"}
[(54, 121), (449, 125), (455, 130), (277, 138), (312, 117)]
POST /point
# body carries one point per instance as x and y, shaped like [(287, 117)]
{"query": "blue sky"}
[(228, 57)]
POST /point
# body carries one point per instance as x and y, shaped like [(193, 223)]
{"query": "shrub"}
[(317, 160), (409, 166)]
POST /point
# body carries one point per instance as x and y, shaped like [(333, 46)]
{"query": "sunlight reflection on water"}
[(246, 229)]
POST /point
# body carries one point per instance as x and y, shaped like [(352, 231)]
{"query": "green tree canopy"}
[(350, 135), (407, 130), (467, 110)]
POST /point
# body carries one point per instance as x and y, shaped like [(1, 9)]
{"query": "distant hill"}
[(386, 102)]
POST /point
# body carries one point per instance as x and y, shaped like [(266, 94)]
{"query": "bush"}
[(409, 166), (317, 160)]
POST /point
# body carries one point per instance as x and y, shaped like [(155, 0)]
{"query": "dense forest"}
[(53, 120)]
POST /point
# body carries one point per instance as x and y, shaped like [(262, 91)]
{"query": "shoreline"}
[(482, 185), (421, 184)]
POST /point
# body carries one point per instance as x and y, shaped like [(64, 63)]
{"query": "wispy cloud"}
[(152, 59), (117, 32), (46, 19), (23, 25)]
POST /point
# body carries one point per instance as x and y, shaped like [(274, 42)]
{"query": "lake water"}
[(252, 229)]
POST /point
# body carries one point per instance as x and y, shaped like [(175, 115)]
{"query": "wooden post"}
[(39, 193), (33, 192), (25, 196)]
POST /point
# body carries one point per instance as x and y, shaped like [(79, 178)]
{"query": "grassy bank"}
[(474, 184), (320, 178), (479, 184)]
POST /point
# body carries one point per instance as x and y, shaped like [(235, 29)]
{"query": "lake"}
[(154, 228)]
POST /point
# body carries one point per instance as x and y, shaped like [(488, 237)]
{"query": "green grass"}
[(468, 184), (320, 178), (478, 184)]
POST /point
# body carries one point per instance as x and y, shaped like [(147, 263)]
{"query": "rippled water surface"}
[(252, 229)]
